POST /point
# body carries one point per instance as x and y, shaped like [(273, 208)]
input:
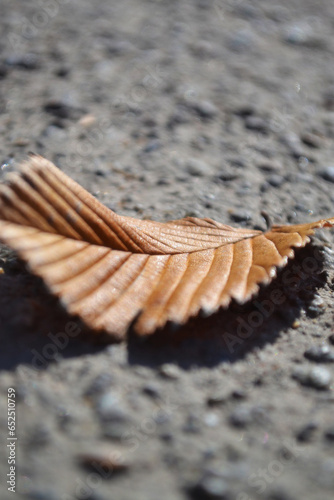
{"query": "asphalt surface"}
[(164, 109)]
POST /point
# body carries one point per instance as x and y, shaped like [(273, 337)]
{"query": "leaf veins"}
[(111, 270)]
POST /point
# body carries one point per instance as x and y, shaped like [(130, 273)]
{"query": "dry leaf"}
[(111, 270)]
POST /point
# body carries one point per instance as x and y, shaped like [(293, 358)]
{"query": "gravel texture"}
[(164, 109)]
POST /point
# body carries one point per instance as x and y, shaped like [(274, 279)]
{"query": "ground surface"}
[(216, 109)]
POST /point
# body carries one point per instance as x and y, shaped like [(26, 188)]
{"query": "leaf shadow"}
[(35, 330), (229, 335)]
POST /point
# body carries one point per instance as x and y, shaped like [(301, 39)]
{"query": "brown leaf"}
[(111, 270)]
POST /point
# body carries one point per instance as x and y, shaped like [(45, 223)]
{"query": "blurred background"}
[(162, 93), (164, 109)]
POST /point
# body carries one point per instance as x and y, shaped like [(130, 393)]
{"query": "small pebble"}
[(162, 418), (316, 307), (211, 419), (40, 493), (100, 384), (316, 333), (104, 69), (3, 71), (317, 377), (320, 354), (55, 133), (205, 109), (327, 472), (329, 435), (198, 168), (168, 370), (294, 145), (110, 461), (247, 11), (276, 180), (303, 162), (116, 429), (239, 394), (238, 162), (304, 177), (119, 47), (192, 424), (260, 415), (300, 207), (108, 405), (279, 493), (167, 437), (270, 166), (163, 182), (241, 41), (87, 121), (306, 433), (115, 419), (297, 34), (327, 173), (226, 176), (63, 71), (256, 123), (328, 97), (25, 61), (60, 109), (210, 487), (20, 142), (241, 417), (153, 390), (217, 399), (312, 140), (240, 215), (302, 34), (244, 110), (39, 436), (152, 146), (210, 452), (178, 118), (203, 48), (100, 172)]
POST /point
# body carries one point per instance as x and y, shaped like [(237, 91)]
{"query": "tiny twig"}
[(267, 219)]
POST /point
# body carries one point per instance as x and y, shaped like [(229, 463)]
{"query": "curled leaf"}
[(113, 270)]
